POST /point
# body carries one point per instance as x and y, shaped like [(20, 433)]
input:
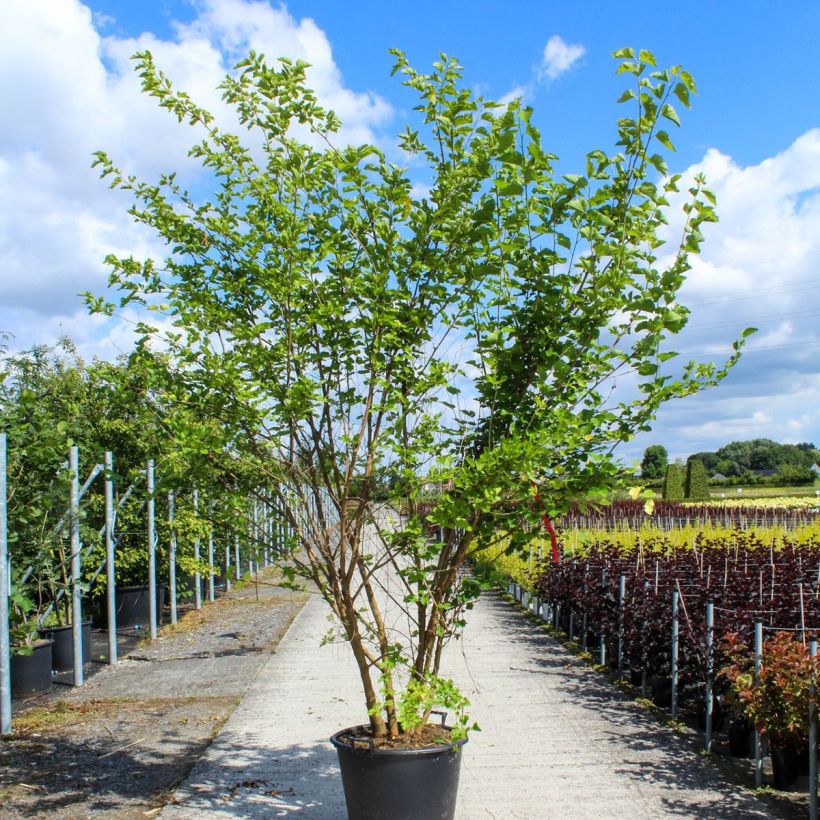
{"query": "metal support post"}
[(237, 565), (172, 557), (227, 567), (211, 595), (5, 641), (813, 742), (152, 552), (110, 575), (675, 647), (758, 739), (197, 574), (76, 567), (621, 599), (710, 671)]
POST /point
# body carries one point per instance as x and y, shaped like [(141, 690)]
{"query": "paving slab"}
[(557, 740)]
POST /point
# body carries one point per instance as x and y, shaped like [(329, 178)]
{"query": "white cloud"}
[(68, 91), (760, 267), (519, 92), (558, 58)]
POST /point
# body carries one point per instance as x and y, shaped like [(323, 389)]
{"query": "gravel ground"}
[(118, 746)]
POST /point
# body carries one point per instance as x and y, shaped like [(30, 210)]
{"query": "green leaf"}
[(663, 139), (682, 93), (647, 57), (670, 114)]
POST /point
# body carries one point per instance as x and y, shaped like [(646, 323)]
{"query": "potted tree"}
[(30, 653), (451, 316), (777, 700)]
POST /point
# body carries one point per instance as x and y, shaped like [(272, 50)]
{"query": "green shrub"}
[(673, 483), (697, 481)]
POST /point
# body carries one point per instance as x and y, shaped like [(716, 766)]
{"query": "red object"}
[(547, 522), (553, 538)]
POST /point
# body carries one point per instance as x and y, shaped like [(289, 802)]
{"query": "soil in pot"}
[(62, 651), (31, 673), (398, 783), (133, 607)]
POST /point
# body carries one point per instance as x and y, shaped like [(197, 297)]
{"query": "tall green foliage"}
[(673, 489), (653, 464), (697, 481), (319, 305)]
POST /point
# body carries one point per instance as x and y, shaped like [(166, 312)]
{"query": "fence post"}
[(602, 636), (110, 575), (76, 566), (675, 644), (227, 567), (813, 742), (621, 598), (197, 574), (710, 671), (211, 595), (152, 552), (5, 641), (172, 557), (758, 740)]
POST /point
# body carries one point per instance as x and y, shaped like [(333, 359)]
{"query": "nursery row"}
[(693, 625), (671, 515)]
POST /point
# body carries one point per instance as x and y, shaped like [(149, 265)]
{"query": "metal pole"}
[(758, 740), (5, 641), (111, 581), (172, 558), (197, 576), (601, 637), (237, 566), (813, 742), (76, 567), (621, 598), (211, 595), (152, 552), (227, 567), (710, 671), (675, 645)]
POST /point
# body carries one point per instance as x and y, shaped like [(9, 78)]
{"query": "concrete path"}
[(557, 740)]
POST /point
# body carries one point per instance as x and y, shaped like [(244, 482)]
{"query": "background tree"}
[(697, 481), (318, 303), (673, 489), (655, 459)]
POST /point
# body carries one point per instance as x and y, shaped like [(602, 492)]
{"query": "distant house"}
[(815, 469), (718, 477)]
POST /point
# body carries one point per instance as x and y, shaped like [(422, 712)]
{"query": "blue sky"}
[(754, 129)]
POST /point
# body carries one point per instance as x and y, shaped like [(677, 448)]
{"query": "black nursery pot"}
[(31, 673), (400, 784), (62, 651), (662, 690), (788, 763), (134, 609), (741, 738)]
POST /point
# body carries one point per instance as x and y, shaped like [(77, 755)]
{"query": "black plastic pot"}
[(741, 738), (662, 690), (31, 673), (788, 763), (399, 784), (133, 607), (62, 651)]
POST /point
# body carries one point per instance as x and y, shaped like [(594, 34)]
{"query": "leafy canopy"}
[(351, 333)]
